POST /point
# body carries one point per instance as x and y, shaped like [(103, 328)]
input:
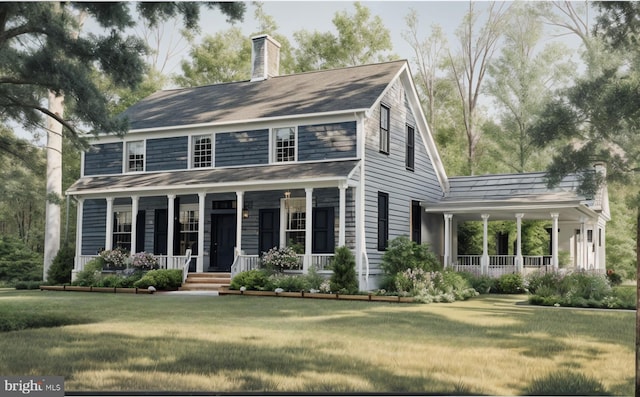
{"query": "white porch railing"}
[(164, 261), (499, 264), (245, 263)]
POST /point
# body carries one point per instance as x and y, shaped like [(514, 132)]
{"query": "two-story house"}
[(316, 160)]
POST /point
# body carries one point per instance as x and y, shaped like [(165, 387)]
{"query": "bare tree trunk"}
[(54, 182), (638, 302)]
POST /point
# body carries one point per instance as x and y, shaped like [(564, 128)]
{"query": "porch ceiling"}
[(254, 178), (533, 208)]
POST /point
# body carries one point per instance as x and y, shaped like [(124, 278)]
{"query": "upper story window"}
[(202, 151), (410, 156), (284, 144), (135, 156), (384, 129)]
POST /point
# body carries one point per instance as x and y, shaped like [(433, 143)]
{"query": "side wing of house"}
[(402, 168)]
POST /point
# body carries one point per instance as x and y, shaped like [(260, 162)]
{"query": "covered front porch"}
[(576, 225), (225, 231)]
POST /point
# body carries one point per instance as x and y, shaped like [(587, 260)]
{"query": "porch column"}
[(554, 241), (134, 223), (583, 242), (308, 229), (447, 240), (484, 263), (519, 259), (239, 209), (171, 215), (79, 215), (108, 238), (342, 215), (201, 206)]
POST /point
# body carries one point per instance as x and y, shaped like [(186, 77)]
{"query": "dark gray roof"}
[(509, 186), (297, 94), (241, 177)]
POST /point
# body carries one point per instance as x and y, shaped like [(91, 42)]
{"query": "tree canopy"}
[(40, 52)]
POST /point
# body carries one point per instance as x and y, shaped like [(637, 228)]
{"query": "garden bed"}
[(112, 290), (309, 295)]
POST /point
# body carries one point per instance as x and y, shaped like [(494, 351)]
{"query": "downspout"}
[(361, 242)]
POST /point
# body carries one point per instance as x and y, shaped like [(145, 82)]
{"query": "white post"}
[(554, 241), (134, 223), (239, 210), (108, 238), (519, 259), (342, 215), (360, 246), (308, 229), (80, 214), (171, 215), (447, 240), (484, 263), (201, 206)]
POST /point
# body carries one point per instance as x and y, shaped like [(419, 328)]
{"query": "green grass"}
[(487, 345)]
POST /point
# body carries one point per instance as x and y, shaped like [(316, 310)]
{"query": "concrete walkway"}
[(187, 293)]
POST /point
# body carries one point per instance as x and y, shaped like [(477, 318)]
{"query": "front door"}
[(223, 241)]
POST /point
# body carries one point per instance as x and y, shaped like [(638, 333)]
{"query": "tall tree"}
[(520, 81), (428, 57), (600, 117), (42, 54), (361, 39), (469, 66)]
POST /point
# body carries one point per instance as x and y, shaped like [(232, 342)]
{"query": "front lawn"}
[(487, 345)]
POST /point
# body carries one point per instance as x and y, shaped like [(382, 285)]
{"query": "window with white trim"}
[(135, 156), (189, 224), (384, 128), (284, 144), (122, 222), (202, 151), (295, 210)]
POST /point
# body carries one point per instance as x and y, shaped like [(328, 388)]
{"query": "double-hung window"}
[(384, 129), (296, 218), (284, 144), (410, 156), (122, 221), (189, 221), (135, 156), (202, 151)]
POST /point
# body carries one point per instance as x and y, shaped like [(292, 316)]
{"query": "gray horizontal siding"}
[(242, 148), (327, 141), (94, 222), (167, 154), (103, 159), (387, 173)]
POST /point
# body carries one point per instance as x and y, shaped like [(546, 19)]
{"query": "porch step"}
[(206, 281)]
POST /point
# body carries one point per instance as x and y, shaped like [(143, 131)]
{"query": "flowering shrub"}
[(613, 277), (280, 259), (114, 258), (144, 261), (430, 287)]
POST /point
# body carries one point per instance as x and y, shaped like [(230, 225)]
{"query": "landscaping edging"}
[(112, 290), (309, 295)]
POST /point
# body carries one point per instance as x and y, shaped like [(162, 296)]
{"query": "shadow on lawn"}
[(250, 366)]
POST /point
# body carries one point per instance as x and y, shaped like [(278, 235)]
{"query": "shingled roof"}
[(327, 91)]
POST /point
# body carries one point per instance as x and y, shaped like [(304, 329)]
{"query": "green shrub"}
[(482, 284), (26, 285), (314, 279), (344, 279), (566, 384), (403, 254), (91, 273), (256, 279), (613, 277), (18, 262), (584, 285), (541, 279), (510, 284), (161, 279), (61, 266), (289, 283)]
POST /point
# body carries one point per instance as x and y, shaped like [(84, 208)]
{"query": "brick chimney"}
[(265, 57)]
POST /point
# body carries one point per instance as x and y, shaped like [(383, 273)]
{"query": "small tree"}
[(344, 280), (61, 267)]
